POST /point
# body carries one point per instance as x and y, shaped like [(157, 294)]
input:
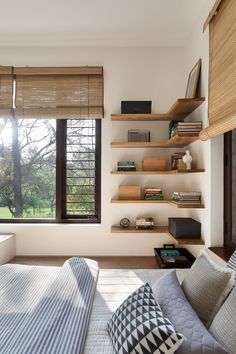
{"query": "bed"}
[(79, 312), (65, 310)]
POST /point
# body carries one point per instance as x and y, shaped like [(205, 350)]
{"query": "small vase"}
[(187, 158)]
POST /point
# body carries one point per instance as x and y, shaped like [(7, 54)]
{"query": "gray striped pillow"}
[(223, 327), (206, 286), (232, 263)]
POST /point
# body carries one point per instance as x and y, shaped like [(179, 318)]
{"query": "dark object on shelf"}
[(125, 223), (138, 135), (136, 107), (185, 259), (184, 228)]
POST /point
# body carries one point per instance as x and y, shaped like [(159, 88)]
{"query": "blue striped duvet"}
[(46, 310)]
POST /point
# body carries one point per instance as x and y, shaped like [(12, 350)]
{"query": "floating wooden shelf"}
[(138, 201), (133, 230), (167, 172), (174, 142), (165, 201), (157, 230), (181, 109), (187, 241), (186, 206)]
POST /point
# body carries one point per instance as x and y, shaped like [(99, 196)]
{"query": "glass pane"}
[(234, 186), (27, 168), (80, 168)]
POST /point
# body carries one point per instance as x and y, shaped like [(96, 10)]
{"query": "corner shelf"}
[(133, 230), (176, 141), (157, 230), (166, 172), (138, 201), (165, 201), (181, 109)]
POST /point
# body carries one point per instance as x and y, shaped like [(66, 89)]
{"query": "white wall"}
[(157, 74), (129, 73)]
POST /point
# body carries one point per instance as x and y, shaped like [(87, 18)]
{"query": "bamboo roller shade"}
[(59, 92), (6, 88), (222, 71)]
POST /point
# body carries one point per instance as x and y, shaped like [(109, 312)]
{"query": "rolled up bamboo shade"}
[(59, 93), (222, 71), (56, 92), (6, 91)]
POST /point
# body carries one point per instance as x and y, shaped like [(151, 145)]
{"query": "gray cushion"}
[(168, 292), (223, 326), (206, 286), (232, 263)]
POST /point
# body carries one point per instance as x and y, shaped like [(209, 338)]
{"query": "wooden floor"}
[(104, 262)]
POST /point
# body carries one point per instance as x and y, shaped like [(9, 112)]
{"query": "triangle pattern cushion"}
[(138, 326)]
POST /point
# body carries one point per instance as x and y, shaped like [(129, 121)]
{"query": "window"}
[(50, 170), (230, 190)]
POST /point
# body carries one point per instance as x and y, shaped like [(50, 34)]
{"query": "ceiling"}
[(98, 22)]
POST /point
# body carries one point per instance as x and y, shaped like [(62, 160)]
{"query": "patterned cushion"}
[(170, 296), (232, 263), (138, 326), (223, 327), (206, 285)]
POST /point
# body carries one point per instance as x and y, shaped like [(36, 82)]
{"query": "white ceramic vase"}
[(187, 158)]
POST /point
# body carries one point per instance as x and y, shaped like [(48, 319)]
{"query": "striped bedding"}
[(46, 310)]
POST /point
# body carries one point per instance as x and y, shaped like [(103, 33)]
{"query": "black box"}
[(184, 228), (187, 263), (136, 107)]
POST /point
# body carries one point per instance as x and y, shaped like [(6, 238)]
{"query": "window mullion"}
[(61, 170)]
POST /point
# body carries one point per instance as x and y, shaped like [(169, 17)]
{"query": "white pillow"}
[(206, 285)]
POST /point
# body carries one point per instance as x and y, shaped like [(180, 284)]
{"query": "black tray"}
[(178, 264)]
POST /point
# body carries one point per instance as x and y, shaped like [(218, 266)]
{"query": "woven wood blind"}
[(222, 71), (61, 93), (6, 91), (58, 93)]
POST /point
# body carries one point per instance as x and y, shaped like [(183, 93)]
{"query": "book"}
[(125, 163)]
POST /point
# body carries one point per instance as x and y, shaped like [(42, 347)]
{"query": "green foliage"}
[(37, 151)]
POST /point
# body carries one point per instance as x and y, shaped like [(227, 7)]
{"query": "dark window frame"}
[(228, 212), (61, 185)]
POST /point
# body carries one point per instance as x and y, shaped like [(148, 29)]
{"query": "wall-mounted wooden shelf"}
[(133, 230), (181, 109), (174, 142), (184, 206), (138, 201), (157, 230), (187, 241), (167, 172), (165, 201)]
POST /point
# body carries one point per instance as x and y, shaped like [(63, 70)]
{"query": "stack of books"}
[(126, 166), (175, 159), (145, 223), (153, 194), (187, 198), (186, 128)]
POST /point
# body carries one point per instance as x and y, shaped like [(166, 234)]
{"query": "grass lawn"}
[(42, 213)]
